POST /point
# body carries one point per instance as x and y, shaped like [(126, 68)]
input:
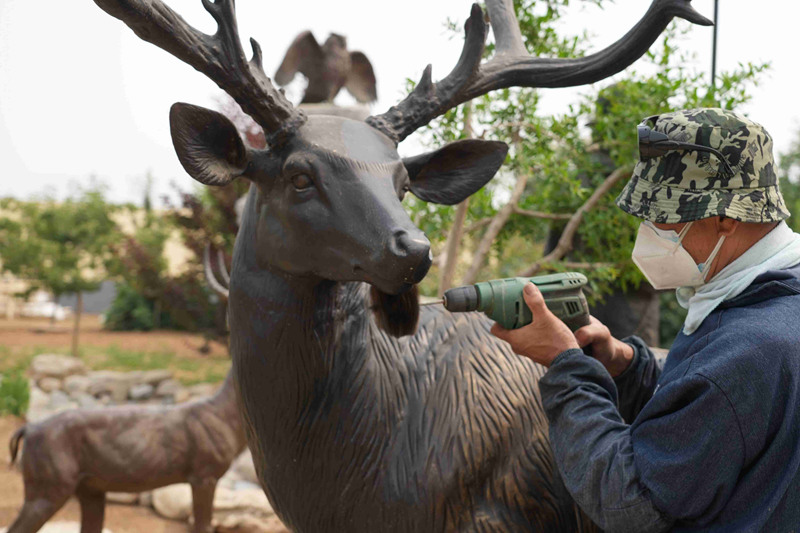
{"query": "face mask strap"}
[(711, 257), (684, 231)]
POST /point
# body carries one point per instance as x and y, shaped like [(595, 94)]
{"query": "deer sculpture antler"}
[(222, 59), (219, 56), (512, 66)]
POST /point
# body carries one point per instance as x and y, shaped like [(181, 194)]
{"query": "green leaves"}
[(566, 156), (62, 247)]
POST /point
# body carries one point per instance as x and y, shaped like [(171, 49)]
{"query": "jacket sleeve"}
[(635, 386), (672, 464)]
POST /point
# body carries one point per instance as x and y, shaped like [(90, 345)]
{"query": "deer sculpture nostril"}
[(404, 245), (415, 251)]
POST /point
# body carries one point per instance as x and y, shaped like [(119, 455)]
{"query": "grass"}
[(186, 370), (14, 393)]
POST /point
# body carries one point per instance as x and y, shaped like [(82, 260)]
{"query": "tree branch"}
[(565, 242), (448, 267), (541, 214), (496, 224)]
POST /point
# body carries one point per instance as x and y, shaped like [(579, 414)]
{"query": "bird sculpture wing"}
[(304, 56), (361, 79)]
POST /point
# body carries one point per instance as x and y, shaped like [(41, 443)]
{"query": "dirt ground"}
[(38, 332), (119, 518)]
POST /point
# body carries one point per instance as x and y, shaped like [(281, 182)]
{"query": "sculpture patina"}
[(328, 68), (88, 452), (353, 429)]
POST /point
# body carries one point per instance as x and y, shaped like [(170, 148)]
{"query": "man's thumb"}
[(533, 297)]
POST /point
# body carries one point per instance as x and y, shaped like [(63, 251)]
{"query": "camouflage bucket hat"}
[(684, 184)]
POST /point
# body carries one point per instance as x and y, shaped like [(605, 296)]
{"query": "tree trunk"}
[(565, 241), (448, 268), (454, 236), (497, 223), (76, 328), (157, 314), (55, 309)]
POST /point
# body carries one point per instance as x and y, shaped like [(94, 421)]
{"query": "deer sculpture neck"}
[(311, 334)]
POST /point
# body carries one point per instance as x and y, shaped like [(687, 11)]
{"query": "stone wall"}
[(59, 382)]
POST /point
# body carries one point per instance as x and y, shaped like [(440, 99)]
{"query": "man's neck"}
[(746, 235)]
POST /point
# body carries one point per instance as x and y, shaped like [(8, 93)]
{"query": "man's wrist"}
[(623, 357)]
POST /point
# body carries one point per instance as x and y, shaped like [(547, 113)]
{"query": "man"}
[(712, 441)]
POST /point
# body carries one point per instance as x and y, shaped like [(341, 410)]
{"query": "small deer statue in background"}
[(88, 452), (431, 428)]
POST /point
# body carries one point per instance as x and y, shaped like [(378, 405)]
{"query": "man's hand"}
[(614, 354), (544, 338)]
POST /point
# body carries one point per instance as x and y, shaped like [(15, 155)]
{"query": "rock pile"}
[(60, 382)]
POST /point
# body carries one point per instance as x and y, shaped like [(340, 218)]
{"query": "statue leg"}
[(93, 507), (203, 504), (34, 514)]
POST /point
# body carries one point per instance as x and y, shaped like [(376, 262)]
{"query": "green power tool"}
[(502, 301)]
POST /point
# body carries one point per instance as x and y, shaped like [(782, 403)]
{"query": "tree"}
[(789, 175), (559, 179), (62, 247)]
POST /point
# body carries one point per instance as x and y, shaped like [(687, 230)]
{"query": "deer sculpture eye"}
[(301, 182)]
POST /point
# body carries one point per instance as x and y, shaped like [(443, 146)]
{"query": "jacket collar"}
[(770, 284)]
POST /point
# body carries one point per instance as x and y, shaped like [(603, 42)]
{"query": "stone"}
[(37, 398), (245, 523), (252, 501), (202, 390), (123, 498), (115, 384), (56, 366), (246, 485), (38, 404), (48, 384), (146, 499), (167, 388), (76, 384), (60, 401), (60, 527), (182, 395), (140, 392), (154, 377), (86, 400), (244, 467), (173, 501)]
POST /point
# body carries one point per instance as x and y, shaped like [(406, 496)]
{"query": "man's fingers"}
[(595, 331), (499, 331), (533, 297)]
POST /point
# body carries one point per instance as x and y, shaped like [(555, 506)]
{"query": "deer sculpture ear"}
[(455, 171), (207, 144)]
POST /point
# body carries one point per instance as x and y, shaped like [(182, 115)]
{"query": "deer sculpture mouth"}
[(396, 306)]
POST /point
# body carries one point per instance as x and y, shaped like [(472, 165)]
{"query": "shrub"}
[(129, 311), (14, 393)]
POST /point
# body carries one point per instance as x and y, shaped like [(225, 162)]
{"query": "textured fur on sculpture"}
[(353, 429), (88, 452)]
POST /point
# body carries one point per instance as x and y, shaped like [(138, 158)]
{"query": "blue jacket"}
[(709, 443)]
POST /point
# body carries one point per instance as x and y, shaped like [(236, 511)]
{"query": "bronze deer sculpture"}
[(130, 448), (353, 429)]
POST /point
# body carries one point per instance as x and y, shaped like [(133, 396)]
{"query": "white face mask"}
[(664, 261)]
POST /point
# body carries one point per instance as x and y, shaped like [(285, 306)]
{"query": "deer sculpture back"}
[(438, 427)]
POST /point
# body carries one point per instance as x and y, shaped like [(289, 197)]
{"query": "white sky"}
[(81, 95)]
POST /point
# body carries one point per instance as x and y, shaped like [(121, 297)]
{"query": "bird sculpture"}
[(328, 68)]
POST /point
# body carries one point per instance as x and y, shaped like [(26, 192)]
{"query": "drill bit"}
[(433, 302)]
